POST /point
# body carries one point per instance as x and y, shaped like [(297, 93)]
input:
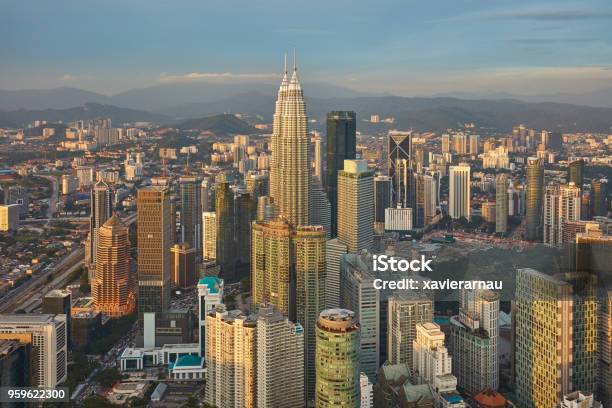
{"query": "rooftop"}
[(189, 360), (213, 283)]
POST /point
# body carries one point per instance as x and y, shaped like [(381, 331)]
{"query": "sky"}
[(403, 47)]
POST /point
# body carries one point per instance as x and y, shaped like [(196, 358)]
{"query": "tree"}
[(108, 377)]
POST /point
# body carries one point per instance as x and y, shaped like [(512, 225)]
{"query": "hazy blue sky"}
[(404, 47)]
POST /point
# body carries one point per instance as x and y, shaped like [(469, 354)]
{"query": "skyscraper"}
[(599, 192), (383, 196), (245, 214), (209, 235), (101, 210), (356, 205), (542, 357), (210, 295), (406, 309), (575, 173), (280, 375), (59, 301), (290, 165), (337, 359), (534, 199), (231, 359), (309, 244), (191, 213), (335, 250), (341, 145), (155, 237), (474, 145), (112, 287), (501, 203), (226, 247), (184, 273), (271, 265), (399, 166), (561, 203), (474, 339), (459, 191)]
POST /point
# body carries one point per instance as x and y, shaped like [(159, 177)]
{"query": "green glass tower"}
[(337, 360), (341, 145)]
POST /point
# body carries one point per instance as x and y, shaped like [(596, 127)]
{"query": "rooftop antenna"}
[(285, 63), (164, 168), (294, 64)]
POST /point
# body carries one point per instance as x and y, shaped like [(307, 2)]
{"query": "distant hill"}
[(224, 124), (40, 99), (88, 111)]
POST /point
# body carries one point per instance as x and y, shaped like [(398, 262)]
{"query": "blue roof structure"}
[(188, 360), (212, 282)]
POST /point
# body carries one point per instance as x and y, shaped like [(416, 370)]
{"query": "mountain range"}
[(174, 103)]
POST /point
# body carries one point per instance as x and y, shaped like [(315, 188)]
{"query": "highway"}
[(28, 296)]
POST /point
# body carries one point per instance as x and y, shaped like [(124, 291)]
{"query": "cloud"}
[(215, 76), (546, 41), (67, 77), (553, 15), (305, 31)]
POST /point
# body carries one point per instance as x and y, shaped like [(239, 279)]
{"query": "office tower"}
[(321, 211), (543, 357), (432, 364), (245, 214), (210, 295), (460, 143), (205, 196), (209, 235), (501, 203), (155, 237), (383, 196), (398, 219), (406, 309), (112, 287), (231, 359), (15, 367), (357, 293), (18, 195), (604, 348), (101, 210), (9, 217), (46, 334), (271, 259), (337, 359), (226, 247), (309, 249), (561, 203), (183, 260), (257, 184), (318, 159), (191, 213), (290, 166), (474, 339), (426, 199), (445, 143), (334, 251), (575, 173), (459, 191), (341, 145), (474, 142), (534, 199), (598, 195), (399, 166), (280, 360), (59, 301), (356, 205)]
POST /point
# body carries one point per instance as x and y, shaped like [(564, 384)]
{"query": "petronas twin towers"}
[(290, 175)]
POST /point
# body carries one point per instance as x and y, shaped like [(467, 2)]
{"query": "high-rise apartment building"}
[(474, 145), (231, 359), (460, 143), (542, 356), (280, 360), (534, 198), (357, 293), (459, 191), (209, 235), (501, 203), (337, 359), (155, 237), (290, 175), (48, 338), (561, 203), (399, 166), (341, 145), (474, 341), (356, 205), (9, 217), (309, 248), (406, 310), (101, 210), (190, 201), (112, 287), (445, 141)]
